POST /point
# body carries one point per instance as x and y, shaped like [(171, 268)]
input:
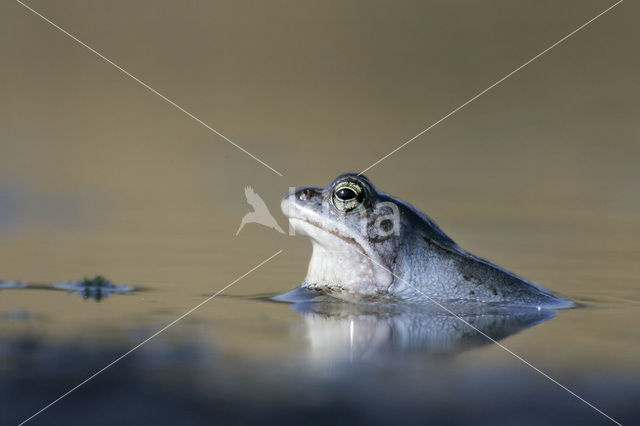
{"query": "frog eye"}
[(348, 196)]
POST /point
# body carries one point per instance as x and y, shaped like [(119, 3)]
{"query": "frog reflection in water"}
[(370, 246), (347, 332)]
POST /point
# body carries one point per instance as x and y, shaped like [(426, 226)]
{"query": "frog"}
[(368, 246)]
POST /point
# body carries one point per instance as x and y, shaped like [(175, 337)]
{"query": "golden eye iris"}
[(348, 195)]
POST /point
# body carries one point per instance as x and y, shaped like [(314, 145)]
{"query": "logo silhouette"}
[(260, 213)]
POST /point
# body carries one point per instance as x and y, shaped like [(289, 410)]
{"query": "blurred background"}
[(98, 175)]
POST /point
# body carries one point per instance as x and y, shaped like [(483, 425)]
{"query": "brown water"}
[(100, 176)]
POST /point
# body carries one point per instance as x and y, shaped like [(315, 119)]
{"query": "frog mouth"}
[(348, 240), (367, 253), (330, 245), (335, 247)]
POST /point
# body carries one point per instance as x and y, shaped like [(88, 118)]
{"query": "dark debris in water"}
[(96, 288)]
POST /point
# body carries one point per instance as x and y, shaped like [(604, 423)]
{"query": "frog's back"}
[(439, 268)]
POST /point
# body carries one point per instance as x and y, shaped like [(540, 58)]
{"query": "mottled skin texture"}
[(353, 260)]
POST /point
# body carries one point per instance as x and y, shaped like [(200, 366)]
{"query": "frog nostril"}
[(305, 194)]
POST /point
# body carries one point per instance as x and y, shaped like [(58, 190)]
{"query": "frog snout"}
[(300, 195), (306, 194)]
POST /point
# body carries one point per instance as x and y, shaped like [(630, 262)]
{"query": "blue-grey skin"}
[(357, 255)]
